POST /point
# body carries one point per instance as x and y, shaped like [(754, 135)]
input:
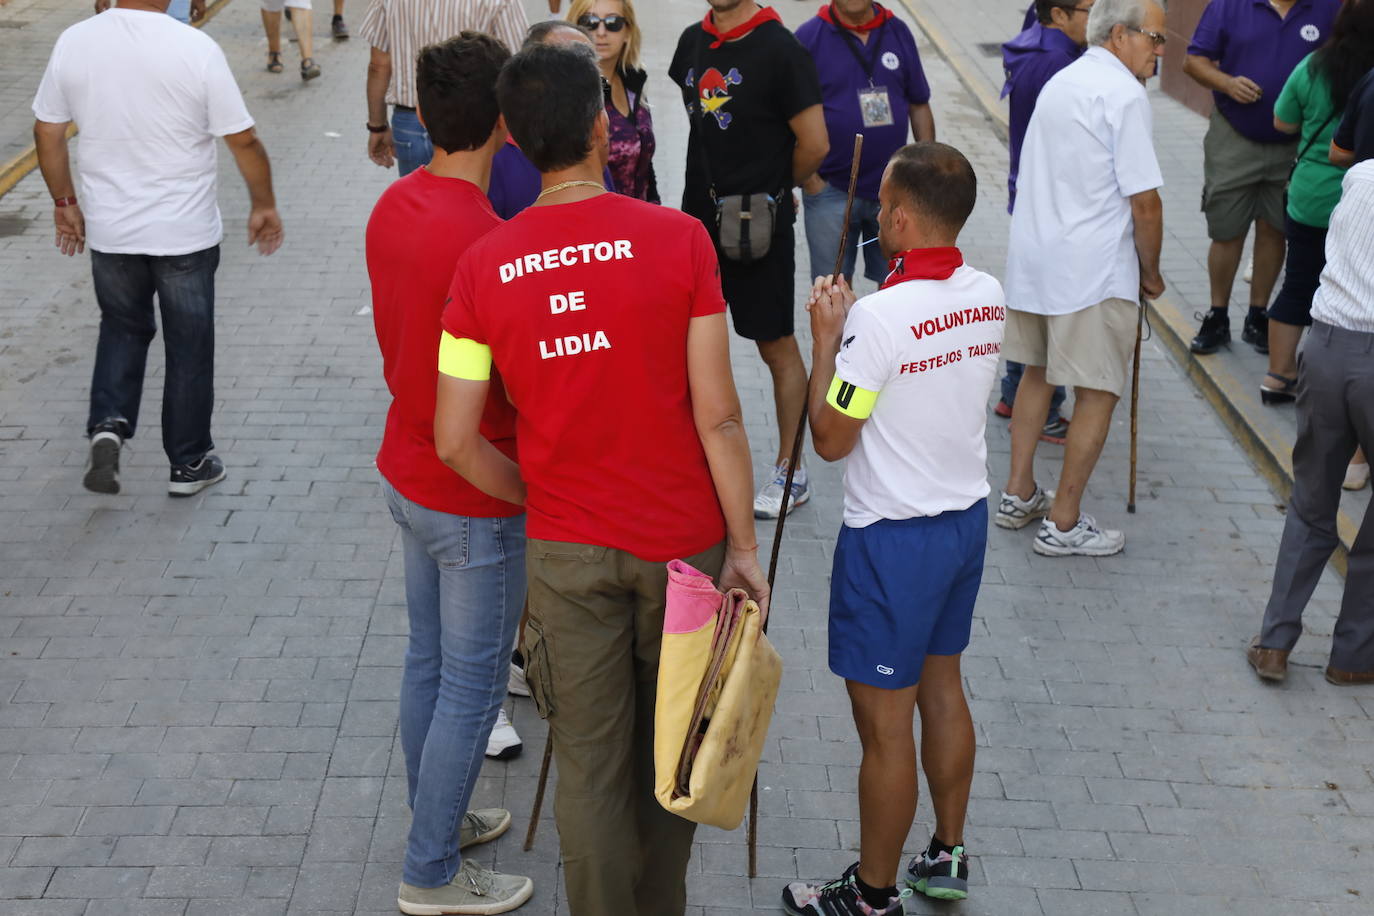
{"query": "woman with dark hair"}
[(614, 31), (1311, 104)]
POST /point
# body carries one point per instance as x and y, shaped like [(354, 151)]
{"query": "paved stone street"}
[(198, 698)]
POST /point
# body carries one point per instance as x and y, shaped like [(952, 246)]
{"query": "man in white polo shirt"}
[(1085, 242), (901, 387), (150, 97)]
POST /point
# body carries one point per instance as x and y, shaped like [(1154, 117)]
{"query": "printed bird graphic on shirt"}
[(713, 91)]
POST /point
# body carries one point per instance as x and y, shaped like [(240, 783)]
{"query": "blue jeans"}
[(180, 10), (184, 285), (1012, 380), (823, 214), (413, 147), (465, 590)]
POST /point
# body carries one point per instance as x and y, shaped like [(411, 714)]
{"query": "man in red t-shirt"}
[(604, 316), (464, 550)]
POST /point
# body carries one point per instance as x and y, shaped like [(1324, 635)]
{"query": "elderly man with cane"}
[(1085, 245)]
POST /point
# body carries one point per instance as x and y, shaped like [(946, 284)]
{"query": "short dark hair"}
[(1044, 9), (456, 85), (937, 181), (540, 31), (551, 97)]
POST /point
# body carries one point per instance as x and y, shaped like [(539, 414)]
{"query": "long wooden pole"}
[(1135, 403), (539, 791), (787, 488)]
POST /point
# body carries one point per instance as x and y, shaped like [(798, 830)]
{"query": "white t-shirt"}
[(1088, 150), (150, 95), (929, 348)]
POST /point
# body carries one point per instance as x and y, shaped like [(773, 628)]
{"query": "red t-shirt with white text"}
[(420, 226), (585, 307)]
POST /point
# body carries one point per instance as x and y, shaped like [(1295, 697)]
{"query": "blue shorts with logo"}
[(902, 590)]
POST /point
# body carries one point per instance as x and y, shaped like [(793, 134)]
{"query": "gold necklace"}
[(564, 185)]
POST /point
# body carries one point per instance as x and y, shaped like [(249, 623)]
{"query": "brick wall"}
[(1182, 19)]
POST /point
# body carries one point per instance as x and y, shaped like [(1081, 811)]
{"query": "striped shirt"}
[(1346, 296), (402, 28)]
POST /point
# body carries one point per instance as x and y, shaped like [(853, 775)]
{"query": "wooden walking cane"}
[(787, 490), (539, 792), (1135, 401)]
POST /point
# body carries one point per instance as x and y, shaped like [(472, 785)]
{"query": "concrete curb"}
[(1230, 396), (14, 171)]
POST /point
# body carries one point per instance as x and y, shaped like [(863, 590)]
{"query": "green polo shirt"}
[(1316, 185)]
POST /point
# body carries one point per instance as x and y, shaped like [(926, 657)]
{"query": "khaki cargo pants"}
[(591, 654)]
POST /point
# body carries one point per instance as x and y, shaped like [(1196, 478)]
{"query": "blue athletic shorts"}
[(902, 590)]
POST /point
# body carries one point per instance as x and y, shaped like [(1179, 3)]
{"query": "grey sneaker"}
[(768, 502), (482, 826), (190, 479), (1084, 539), (474, 890), (1015, 513), (102, 474)]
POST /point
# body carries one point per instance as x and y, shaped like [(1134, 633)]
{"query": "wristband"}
[(64, 202), (374, 129)]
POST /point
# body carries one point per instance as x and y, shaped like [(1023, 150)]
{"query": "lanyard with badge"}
[(874, 104)]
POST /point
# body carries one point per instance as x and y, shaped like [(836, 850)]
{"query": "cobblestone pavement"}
[(197, 698)]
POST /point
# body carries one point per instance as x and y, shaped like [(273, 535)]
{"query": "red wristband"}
[(64, 202)]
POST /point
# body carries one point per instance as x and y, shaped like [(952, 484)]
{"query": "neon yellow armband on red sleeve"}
[(460, 357), (851, 400)]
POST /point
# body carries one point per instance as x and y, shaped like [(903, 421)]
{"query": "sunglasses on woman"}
[(589, 22)]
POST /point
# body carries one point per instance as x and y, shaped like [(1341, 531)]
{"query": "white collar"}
[(1097, 52)]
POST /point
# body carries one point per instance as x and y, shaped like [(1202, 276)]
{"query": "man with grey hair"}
[(1085, 245)]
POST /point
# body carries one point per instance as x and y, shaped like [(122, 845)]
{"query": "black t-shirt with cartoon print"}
[(746, 93)]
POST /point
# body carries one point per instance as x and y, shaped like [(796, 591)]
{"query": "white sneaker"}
[(504, 743), (1015, 513), (768, 502), (1356, 477), (1250, 271), (1084, 539), (516, 685)]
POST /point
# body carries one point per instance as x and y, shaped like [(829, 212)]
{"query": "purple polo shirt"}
[(515, 182), (1030, 59), (1249, 38), (896, 65)]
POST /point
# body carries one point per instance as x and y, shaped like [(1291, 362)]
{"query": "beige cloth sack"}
[(718, 678)]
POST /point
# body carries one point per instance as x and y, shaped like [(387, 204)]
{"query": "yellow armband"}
[(462, 358), (851, 400)]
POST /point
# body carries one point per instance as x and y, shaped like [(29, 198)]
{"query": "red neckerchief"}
[(922, 264), (881, 14), (765, 14)]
